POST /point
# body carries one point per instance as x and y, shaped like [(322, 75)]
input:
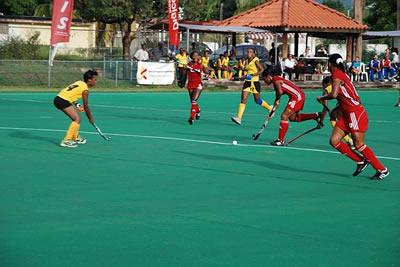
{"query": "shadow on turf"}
[(28, 135), (276, 166)]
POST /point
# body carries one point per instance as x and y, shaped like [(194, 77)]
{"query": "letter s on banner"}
[(61, 21), (173, 23)]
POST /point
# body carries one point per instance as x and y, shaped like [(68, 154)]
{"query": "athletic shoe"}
[(380, 175), (80, 140), (68, 143), (277, 142), (198, 115), (360, 167), (236, 120), (397, 105), (190, 120)]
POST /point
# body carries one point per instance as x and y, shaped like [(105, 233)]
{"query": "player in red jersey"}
[(293, 107), (195, 86), (354, 120)]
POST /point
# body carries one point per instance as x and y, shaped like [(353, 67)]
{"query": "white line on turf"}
[(188, 140), (164, 110)]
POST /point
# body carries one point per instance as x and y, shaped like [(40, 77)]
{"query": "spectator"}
[(322, 52), (387, 68), (375, 67), (141, 54), (205, 62), (272, 53), (289, 65), (158, 52), (193, 48), (395, 58), (182, 59), (355, 68), (307, 52)]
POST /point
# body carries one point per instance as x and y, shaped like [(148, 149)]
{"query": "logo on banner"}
[(143, 73)]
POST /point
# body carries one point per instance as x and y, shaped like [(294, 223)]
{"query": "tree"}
[(122, 12), (335, 4), (18, 7), (381, 15)]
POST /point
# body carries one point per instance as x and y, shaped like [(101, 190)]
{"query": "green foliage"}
[(18, 7), (244, 5), (335, 4), (115, 11), (381, 15), (16, 48)]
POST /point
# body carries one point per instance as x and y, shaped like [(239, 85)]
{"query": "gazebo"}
[(302, 16)]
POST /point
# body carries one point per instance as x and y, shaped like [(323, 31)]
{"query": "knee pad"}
[(259, 101)]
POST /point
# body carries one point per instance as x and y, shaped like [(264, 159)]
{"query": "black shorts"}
[(61, 103), (257, 85)]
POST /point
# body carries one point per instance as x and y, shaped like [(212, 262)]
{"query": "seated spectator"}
[(307, 52), (289, 65), (322, 52), (158, 53), (375, 67), (205, 61), (355, 68), (387, 68), (141, 54)]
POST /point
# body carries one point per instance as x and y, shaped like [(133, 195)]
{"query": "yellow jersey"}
[(182, 60), (225, 62), (328, 89), (219, 63), (74, 91), (252, 68), (205, 61)]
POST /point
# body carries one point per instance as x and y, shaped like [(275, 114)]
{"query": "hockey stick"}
[(303, 134), (107, 138), (258, 134)]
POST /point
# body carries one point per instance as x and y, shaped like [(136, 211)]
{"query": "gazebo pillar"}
[(285, 46), (296, 44), (349, 49), (359, 45)]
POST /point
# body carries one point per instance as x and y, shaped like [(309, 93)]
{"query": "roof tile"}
[(302, 15)]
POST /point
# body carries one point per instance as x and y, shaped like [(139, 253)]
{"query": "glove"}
[(249, 77), (79, 107)]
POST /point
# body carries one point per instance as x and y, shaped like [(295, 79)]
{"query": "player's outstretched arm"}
[(85, 98)]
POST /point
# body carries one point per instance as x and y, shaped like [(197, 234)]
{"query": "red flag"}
[(173, 25), (61, 21)]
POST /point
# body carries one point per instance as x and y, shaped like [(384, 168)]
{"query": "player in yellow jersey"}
[(218, 65), (335, 112), (251, 86), (241, 68), (67, 99), (205, 62), (225, 65), (182, 59)]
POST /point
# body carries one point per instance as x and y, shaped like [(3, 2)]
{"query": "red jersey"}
[(386, 63), (194, 77), (347, 97), (290, 89)]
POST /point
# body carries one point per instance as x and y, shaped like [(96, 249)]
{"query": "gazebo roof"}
[(296, 16)]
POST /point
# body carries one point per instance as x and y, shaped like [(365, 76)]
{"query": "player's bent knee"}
[(258, 101), (334, 142)]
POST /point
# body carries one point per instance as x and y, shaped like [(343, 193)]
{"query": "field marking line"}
[(189, 140), (168, 110)]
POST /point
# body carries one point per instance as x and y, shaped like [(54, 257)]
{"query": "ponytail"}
[(337, 61)]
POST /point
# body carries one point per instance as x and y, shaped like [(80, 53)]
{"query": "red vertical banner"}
[(173, 23), (61, 21)]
